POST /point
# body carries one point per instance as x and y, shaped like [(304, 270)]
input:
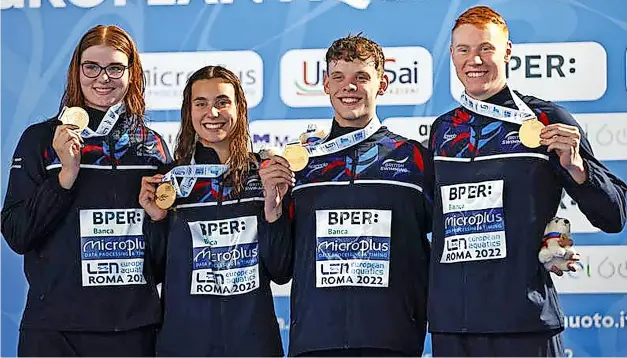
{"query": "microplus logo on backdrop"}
[(19, 4), (167, 72), (409, 69)]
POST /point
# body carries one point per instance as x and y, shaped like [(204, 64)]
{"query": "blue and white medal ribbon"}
[(516, 116), (190, 174), (107, 123), (324, 147)]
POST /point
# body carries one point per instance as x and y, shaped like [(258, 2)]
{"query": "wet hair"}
[(240, 157)]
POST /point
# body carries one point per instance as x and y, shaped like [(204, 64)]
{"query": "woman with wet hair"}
[(203, 230)]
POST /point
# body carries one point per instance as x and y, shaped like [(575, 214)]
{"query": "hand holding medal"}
[(67, 143), (170, 188), (564, 140), (529, 132), (297, 156), (153, 199), (75, 116), (277, 177), (165, 195)]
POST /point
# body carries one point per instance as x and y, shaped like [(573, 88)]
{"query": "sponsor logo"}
[(98, 247), (395, 166), (478, 220), (601, 269), (409, 69), (511, 138), (560, 71), (166, 74)]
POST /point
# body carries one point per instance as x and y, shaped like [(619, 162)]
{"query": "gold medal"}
[(529, 133), (76, 116), (297, 156), (166, 194)]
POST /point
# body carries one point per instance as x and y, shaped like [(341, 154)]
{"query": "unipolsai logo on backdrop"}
[(302, 74), (166, 74), (409, 70)]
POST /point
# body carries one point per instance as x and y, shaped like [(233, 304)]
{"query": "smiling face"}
[(214, 111), (480, 55), (353, 87), (103, 90)]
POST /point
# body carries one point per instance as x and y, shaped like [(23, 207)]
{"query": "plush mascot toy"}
[(557, 253)]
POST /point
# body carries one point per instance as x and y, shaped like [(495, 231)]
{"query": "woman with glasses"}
[(71, 209), (215, 264)]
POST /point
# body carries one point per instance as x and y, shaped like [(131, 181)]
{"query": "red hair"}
[(120, 40), (481, 16)]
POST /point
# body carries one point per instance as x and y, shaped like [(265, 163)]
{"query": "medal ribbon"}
[(516, 116), (191, 173), (322, 147), (108, 121)]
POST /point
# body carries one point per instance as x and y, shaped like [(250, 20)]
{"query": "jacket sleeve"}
[(276, 244), (601, 198), (35, 202), (156, 239)]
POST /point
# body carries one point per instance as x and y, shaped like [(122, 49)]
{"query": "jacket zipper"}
[(224, 299), (112, 151), (220, 192), (347, 305), (476, 143), (465, 281), (354, 165)]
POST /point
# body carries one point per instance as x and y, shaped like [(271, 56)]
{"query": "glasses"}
[(93, 70)]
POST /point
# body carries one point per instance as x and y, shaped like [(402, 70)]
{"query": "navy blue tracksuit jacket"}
[(216, 270), (83, 248), (357, 223), (493, 198)]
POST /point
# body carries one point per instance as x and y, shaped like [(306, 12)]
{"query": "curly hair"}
[(354, 47)]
